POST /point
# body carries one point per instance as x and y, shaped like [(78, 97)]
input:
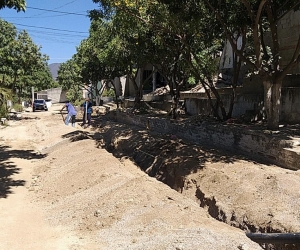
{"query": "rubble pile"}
[(161, 91)]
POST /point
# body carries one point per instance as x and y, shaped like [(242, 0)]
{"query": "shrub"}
[(18, 107), (3, 111), (78, 102), (108, 93)]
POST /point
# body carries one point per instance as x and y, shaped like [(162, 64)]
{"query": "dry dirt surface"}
[(239, 191), (61, 189)]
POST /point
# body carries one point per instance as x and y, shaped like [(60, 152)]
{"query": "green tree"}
[(106, 61), (5, 93), (131, 43), (255, 20), (29, 66), (22, 65), (138, 45), (8, 33), (19, 5), (259, 20), (173, 38), (189, 45), (200, 37), (70, 79), (112, 50), (90, 66), (7, 36)]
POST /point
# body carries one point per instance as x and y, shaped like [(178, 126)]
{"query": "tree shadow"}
[(31, 118), (163, 156), (77, 135), (8, 169)]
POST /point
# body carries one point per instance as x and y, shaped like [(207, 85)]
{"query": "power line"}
[(35, 16), (65, 4), (55, 9), (62, 12), (45, 11), (54, 33), (72, 31), (54, 40)]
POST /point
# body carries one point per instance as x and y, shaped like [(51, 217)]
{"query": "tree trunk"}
[(232, 100), (272, 102), (98, 100), (138, 96), (175, 101), (137, 81), (237, 63), (116, 95), (219, 103)]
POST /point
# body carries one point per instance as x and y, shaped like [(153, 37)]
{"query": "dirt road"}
[(59, 190)]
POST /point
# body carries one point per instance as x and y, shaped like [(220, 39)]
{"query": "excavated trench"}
[(179, 165)]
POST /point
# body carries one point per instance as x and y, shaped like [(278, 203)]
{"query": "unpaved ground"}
[(59, 189), (233, 188)]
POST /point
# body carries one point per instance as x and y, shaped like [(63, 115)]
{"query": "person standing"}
[(71, 113), (86, 107)]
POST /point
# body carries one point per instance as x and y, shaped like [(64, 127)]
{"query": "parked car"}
[(39, 104), (48, 103)]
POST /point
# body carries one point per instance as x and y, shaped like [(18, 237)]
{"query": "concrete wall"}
[(196, 104), (288, 33), (243, 104), (258, 144), (290, 103), (42, 95), (57, 95), (129, 88), (291, 80), (249, 97)]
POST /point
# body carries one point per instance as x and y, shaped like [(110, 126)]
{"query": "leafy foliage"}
[(4, 95), (258, 21), (19, 5), (69, 77), (22, 65), (108, 93), (182, 40)]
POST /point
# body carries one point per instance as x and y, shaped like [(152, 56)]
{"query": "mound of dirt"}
[(243, 193), (117, 206), (94, 200)]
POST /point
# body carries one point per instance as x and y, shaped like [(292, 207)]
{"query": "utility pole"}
[(32, 95)]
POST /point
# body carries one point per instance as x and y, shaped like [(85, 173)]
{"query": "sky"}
[(58, 26)]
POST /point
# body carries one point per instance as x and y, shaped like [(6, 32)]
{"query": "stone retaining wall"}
[(261, 145)]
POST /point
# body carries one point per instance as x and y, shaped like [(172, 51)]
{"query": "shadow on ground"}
[(163, 156), (77, 135), (8, 168)]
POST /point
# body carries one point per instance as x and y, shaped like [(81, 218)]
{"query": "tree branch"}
[(295, 58), (248, 7), (229, 37), (256, 36), (286, 11), (275, 40)]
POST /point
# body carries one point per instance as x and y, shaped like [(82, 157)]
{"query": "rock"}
[(97, 213)]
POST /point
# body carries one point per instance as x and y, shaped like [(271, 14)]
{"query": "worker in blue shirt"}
[(87, 109), (71, 113)]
